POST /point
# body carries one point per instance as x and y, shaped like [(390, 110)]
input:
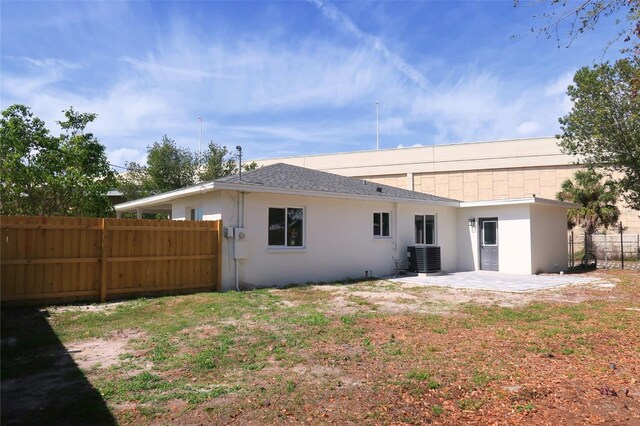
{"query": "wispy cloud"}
[(160, 70), (341, 19), (47, 62)]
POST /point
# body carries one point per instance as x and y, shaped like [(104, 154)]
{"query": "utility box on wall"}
[(241, 247)]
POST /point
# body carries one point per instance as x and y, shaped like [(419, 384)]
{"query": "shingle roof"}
[(286, 176)]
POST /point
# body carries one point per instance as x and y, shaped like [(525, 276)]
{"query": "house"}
[(286, 224)]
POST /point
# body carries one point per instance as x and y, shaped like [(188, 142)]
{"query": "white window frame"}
[(286, 218), (190, 209), (381, 237), (435, 228)]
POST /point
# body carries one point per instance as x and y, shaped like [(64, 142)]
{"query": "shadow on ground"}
[(41, 383)]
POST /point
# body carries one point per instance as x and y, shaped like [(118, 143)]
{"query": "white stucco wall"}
[(446, 231), (548, 239), (209, 201), (338, 242), (514, 238), (338, 239)]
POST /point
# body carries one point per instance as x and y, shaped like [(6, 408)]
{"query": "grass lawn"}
[(372, 352)]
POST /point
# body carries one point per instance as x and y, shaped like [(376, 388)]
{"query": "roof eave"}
[(517, 201), (166, 196)]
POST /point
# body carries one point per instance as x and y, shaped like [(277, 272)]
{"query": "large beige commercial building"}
[(478, 171)]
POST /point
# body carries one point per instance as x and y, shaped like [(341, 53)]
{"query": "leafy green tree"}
[(45, 175), (603, 126), (170, 167), (597, 200), (216, 163)]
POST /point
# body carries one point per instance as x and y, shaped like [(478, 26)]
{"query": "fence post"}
[(606, 250), (103, 261), (573, 251), (621, 229)]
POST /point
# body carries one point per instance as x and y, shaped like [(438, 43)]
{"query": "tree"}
[(52, 176), (170, 167), (603, 126), (216, 163), (565, 20), (597, 200)]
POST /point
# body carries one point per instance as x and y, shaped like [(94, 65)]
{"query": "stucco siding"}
[(514, 238), (446, 232), (548, 239), (209, 201), (338, 242)]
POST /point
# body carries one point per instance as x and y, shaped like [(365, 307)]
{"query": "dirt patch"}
[(398, 297), (106, 308), (102, 353)]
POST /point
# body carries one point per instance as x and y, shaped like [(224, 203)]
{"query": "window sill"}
[(286, 249), (382, 238)]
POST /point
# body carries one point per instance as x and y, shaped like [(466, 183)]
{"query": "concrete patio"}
[(495, 281)]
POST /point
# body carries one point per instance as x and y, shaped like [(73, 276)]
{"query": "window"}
[(425, 229), (490, 233), (381, 224), (286, 227), (195, 213)]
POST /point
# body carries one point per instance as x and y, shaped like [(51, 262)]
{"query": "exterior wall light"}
[(472, 222)]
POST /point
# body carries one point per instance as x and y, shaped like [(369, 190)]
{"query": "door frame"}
[(481, 222)]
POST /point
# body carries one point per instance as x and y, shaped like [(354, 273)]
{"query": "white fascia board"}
[(304, 192), (165, 197), (557, 203), (516, 201)]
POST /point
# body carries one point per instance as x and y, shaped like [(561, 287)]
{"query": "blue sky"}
[(291, 78)]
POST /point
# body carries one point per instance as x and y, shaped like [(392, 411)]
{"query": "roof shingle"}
[(286, 176)]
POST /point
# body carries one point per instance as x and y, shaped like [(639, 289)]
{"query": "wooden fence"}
[(61, 259)]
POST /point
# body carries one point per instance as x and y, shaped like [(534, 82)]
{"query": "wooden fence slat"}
[(46, 261), (154, 258), (103, 258), (167, 228)]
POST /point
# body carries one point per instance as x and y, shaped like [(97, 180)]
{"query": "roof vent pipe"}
[(239, 148)]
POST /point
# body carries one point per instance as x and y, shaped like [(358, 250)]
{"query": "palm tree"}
[(597, 201)]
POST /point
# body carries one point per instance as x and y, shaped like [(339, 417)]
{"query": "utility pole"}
[(200, 141), (239, 148)]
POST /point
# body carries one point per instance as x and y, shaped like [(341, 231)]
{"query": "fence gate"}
[(61, 259)]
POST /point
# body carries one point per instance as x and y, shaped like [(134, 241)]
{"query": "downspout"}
[(396, 233), (240, 214), (240, 225)]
